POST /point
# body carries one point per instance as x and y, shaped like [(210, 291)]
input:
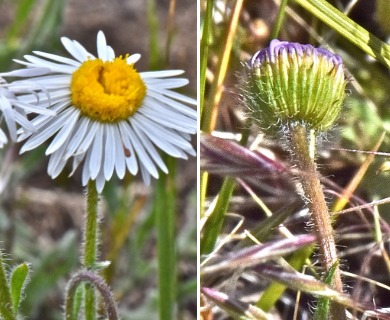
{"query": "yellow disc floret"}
[(107, 91)]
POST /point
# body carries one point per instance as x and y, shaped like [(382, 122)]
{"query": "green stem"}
[(93, 280), (90, 302), (312, 189), (90, 232), (279, 19), (204, 48), (165, 222), (90, 246)]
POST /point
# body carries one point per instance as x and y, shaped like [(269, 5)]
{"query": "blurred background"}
[(41, 219)]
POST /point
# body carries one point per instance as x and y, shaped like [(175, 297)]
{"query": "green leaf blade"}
[(17, 283), (349, 29)]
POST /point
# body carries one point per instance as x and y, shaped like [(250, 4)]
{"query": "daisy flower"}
[(109, 116), (14, 111)]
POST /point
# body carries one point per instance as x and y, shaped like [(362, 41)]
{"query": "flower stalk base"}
[(313, 194)]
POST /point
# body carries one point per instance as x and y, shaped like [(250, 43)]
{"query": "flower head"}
[(291, 82), (109, 115)]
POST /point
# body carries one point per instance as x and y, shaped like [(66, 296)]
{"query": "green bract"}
[(291, 82)]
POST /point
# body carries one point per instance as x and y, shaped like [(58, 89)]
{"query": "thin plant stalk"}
[(211, 109), (204, 50), (164, 209), (313, 192), (90, 246), (279, 19)]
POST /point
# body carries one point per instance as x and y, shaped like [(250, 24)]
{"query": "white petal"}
[(160, 74), (100, 181), (63, 134), (8, 113), (85, 144), (149, 147), (110, 53), (133, 58), (173, 104), (160, 137), (34, 109), (56, 163), (54, 67), (161, 113), (3, 138), (166, 83), (78, 136), (120, 162), (145, 175), (86, 175), (101, 46), (41, 121), (28, 72), (131, 161), (46, 132), (23, 121), (175, 95), (58, 58), (95, 162), (76, 49), (76, 161), (109, 154)]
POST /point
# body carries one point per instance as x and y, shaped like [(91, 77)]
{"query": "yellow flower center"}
[(107, 91)]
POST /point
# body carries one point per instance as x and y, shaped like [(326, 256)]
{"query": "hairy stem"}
[(312, 189), (92, 280), (90, 246)]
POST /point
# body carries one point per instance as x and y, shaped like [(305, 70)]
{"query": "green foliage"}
[(323, 305), (215, 222), (18, 282), (6, 306), (52, 267), (365, 116), (12, 288), (31, 30), (164, 212), (349, 29)]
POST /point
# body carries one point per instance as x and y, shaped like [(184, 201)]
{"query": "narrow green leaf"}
[(204, 48), (279, 19), (154, 50), (22, 14), (323, 305), (90, 303), (17, 283), (6, 310), (77, 302), (275, 290), (214, 223), (349, 29)]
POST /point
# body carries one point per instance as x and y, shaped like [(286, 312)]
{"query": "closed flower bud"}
[(290, 82)]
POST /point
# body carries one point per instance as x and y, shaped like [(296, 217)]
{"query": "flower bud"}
[(291, 82)]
